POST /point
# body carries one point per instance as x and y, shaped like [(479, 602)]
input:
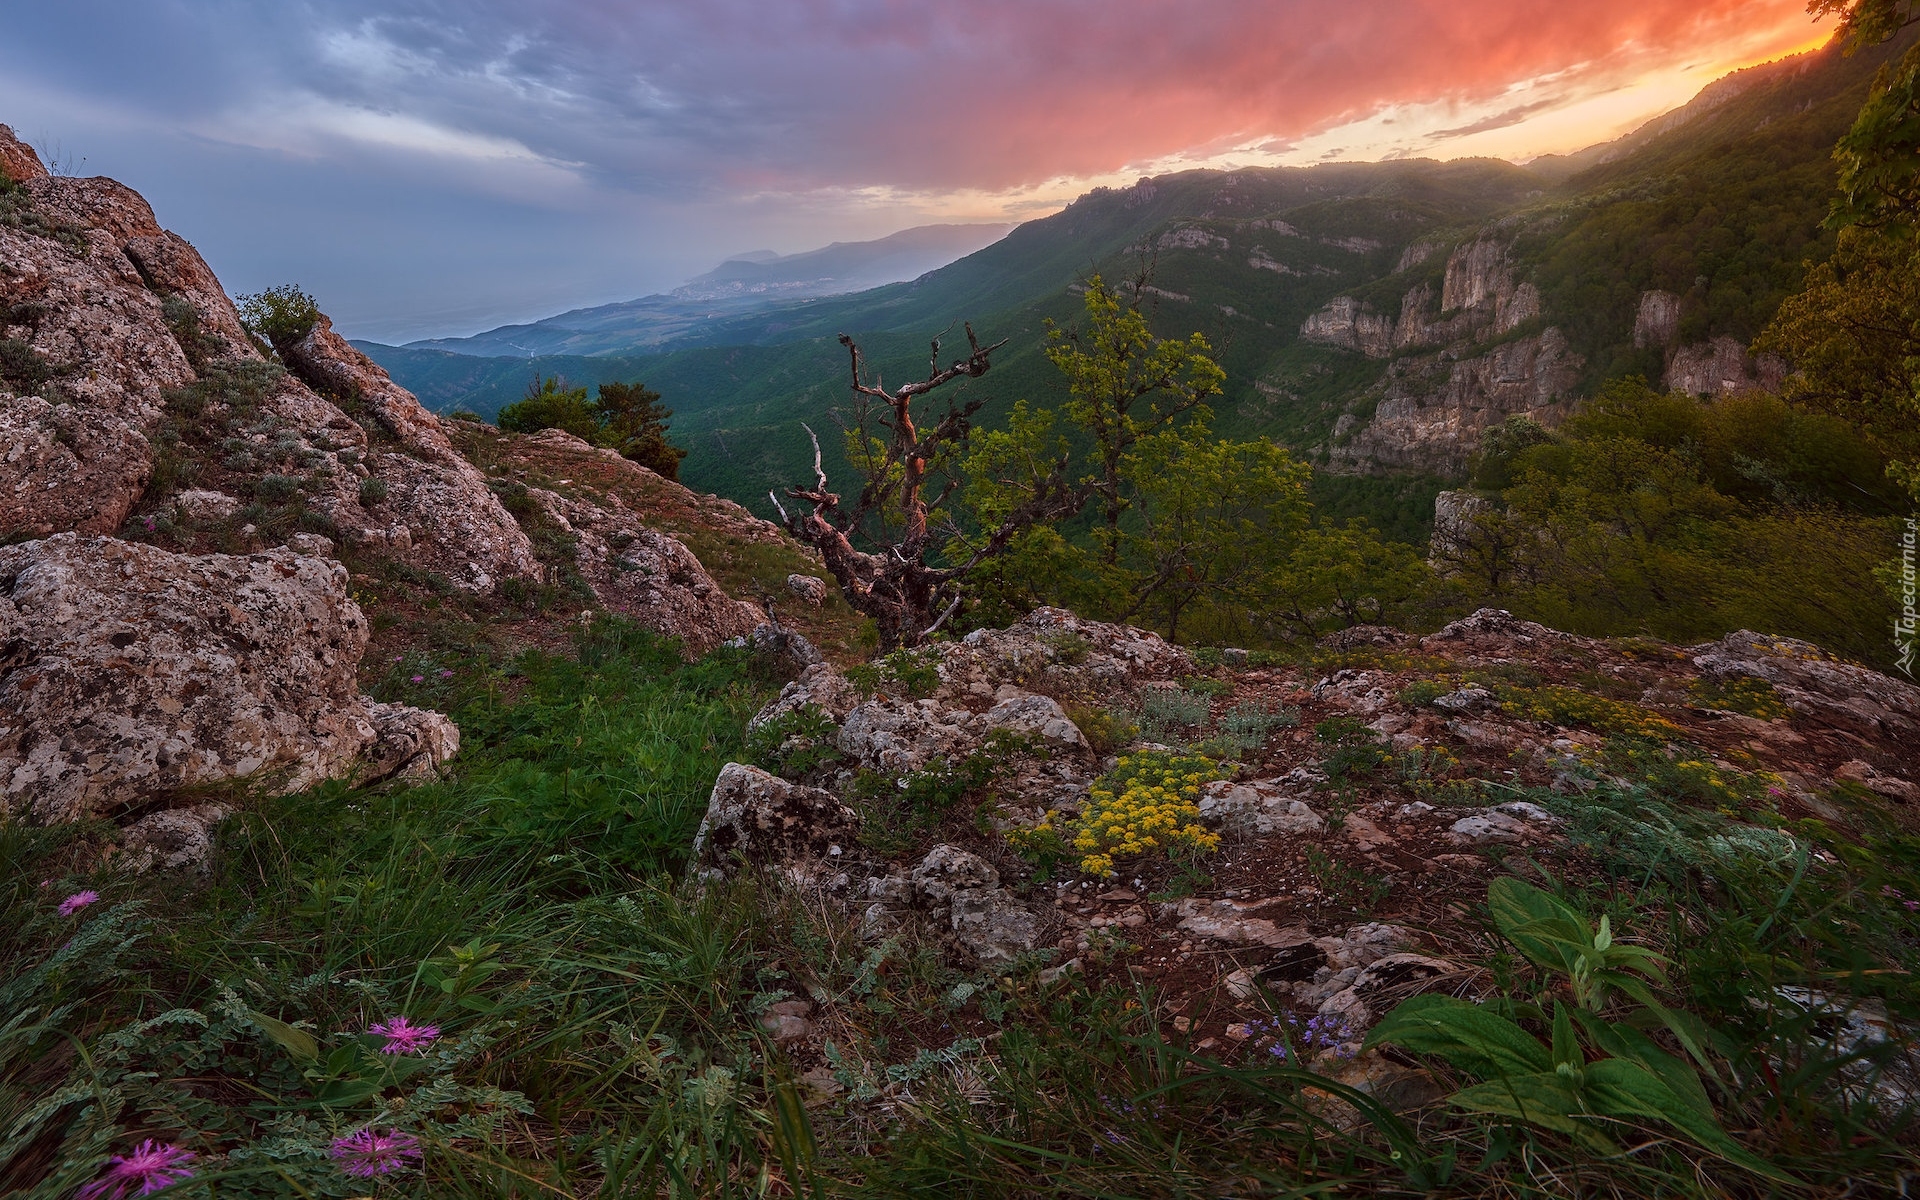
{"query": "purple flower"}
[(79, 900), (152, 1166), (369, 1153), (404, 1037), (1912, 905), (446, 674), (419, 678)]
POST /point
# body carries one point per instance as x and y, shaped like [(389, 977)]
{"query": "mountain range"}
[(1374, 316), (740, 286)]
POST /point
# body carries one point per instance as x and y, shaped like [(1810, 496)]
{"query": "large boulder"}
[(127, 671), (644, 574), (1053, 652)]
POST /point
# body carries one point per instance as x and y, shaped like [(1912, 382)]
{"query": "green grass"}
[(599, 1010)]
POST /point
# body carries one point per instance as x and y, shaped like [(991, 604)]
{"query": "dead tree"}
[(900, 583)]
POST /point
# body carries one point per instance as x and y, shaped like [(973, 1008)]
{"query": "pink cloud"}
[(1001, 94)]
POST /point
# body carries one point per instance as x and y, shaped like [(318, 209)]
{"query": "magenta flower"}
[(446, 674), (152, 1166), (404, 1037), (419, 678), (369, 1153), (79, 900)]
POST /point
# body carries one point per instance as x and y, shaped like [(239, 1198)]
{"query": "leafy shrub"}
[(1170, 714), (1421, 693), (1208, 686), (1353, 749), (282, 315), (794, 743), (1245, 726), (372, 491), (1105, 729), (1146, 803), (23, 369), (897, 813), (1066, 647), (914, 672), (1595, 1074)]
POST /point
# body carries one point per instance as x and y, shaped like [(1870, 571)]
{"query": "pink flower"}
[(446, 674), (152, 1166), (418, 678), (368, 1153), (79, 900), (403, 1037)]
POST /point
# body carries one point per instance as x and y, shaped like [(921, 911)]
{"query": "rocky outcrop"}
[(1818, 685), (456, 526), (1456, 516), (1346, 323), (126, 671), (642, 573), (1721, 367), (90, 353), (1430, 410), (1656, 323), (756, 817), (1432, 421)]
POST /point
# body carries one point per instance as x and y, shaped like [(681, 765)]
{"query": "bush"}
[(276, 489), (372, 491), (282, 315)]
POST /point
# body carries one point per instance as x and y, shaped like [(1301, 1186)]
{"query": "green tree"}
[(280, 316), (1853, 337), (1337, 577), (1879, 158), (1123, 384), (551, 404), (633, 422), (1216, 520)]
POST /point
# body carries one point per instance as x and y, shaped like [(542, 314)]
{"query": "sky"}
[(436, 168)]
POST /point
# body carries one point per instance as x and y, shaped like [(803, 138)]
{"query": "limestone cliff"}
[(1443, 389)]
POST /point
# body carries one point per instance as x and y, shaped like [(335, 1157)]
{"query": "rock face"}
[(125, 670), (92, 355), (1432, 409), (642, 573), (1721, 367), (1816, 684), (1424, 420), (456, 526)]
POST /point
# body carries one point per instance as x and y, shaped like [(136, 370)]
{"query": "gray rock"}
[(1256, 810), (171, 839), (761, 818), (809, 588), (1467, 699), (128, 671), (1817, 685)]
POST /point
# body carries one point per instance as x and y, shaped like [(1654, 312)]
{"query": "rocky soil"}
[(1335, 890)]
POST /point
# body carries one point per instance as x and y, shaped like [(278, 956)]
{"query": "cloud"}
[(789, 123)]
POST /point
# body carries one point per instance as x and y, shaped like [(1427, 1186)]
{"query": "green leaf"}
[(1619, 1088), (1548, 932), (298, 1043), (1566, 1047), (1625, 1042), (1468, 1036), (1545, 1100)]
